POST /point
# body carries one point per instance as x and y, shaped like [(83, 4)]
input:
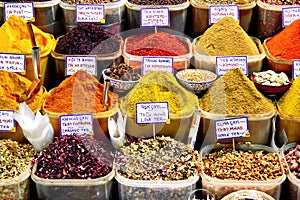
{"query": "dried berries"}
[(75, 157), (88, 38), (122, 72), (292, 157)]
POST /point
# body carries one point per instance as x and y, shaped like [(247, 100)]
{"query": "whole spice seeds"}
[(197, 75), (282, 2), (157, 2), (292, 157), (222, 2), (88, 1), (75, 157), (123, 72)]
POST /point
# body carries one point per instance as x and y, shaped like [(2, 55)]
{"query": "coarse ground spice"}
[(226, 38), (158, 86), (235, 93), (223, 2), (157, 2), (282, 2), (289, 103), (79, 93), (155, 44), (285, 44)]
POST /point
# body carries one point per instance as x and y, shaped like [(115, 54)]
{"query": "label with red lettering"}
[(290, 14), (90, 13), (85, 63), (7, 122), (231, 128), (216, 12), (296, 68), (24, 10), (152, 17), (78, 124), (13, 62), (152, 112), (224, 63), (150, 63)]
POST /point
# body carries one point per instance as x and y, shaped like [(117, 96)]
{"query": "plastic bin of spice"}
[(114, 16), (178, 15), (155, 189), (200, 16), (221, 188), (290, 125), (17, 187), (209, 62), (179, 62), (64, 189)]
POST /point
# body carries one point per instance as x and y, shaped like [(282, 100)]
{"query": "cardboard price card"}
[(290, 14), (13, 62), (78, 124), (224, 63), (90, 13), (24, 10), (231, 128), (152, 112), (157, 64), (216, 12), (7, 122), (152, 17), (85, 63), (296, 68)]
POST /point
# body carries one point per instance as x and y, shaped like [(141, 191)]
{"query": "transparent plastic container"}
[(180, 62), (178, 15), (69, 189), (221, 188), (275, 64), (114, 16), (151, 189), (200, 17), (248, 194), (260, 128), (103, 61), (17, 187), (209, 62)]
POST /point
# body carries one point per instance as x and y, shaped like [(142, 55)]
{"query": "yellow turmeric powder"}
[(289, 103), (157, 86)]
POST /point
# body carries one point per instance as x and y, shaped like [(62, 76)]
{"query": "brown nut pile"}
[(227, 164), (123, 72)]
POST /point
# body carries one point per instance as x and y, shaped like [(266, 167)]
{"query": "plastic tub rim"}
[(177, 7), (16, 180), (263, 194)]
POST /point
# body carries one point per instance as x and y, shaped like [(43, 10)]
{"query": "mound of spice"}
[(289, 103), (158, 86), (226, 38), (79, 93), (155, 44), (235, 93), (75, 157), (285, 44), (88, 38)]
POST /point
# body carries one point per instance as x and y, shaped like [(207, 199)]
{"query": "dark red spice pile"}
[(155, 44), (88, 38), (75, 157)]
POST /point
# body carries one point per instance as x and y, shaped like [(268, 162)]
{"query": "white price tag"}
[(290, 14), (86, 63), (157, 64), (24, 10), (7, 122), (216, 12), (225, 63), (90, 13), (78, 124), (152, 113), (13, 62), (296, 68), (151, 17), (231, 128)]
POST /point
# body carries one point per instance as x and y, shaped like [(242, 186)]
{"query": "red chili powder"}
[(285, 44), (156, 44)]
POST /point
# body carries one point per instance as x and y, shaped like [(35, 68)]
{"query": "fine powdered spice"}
[(235, 93), (226, 38), (285, 44)]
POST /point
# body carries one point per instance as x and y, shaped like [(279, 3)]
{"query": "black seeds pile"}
[(88, 38), (75, 157), (88, 1), (157, 2)]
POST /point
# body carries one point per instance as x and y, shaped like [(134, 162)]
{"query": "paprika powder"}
[(285, 44)]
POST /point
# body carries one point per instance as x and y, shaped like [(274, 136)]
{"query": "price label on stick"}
[(90, 13), (78, 124), (224, 63), (24, 10), (231, 128), (13, 62), (7, 122), (290, 14), (152, 112), (216, 12), (153, 17), (86, 63), (157, 64), (296, 68)]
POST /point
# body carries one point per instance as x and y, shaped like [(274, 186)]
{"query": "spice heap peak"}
[(235, 93), (226, 38)]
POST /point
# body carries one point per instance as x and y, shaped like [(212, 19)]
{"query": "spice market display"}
[(115, 119)]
